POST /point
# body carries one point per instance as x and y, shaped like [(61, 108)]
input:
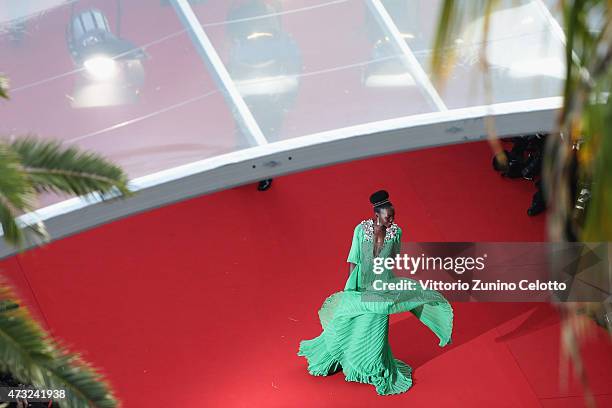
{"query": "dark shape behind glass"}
[(264, 62)]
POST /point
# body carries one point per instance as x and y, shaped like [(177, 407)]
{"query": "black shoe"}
[(264, 185), (538, 205), (535, 210)]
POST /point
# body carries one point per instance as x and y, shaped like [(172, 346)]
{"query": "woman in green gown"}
[(355, 321)]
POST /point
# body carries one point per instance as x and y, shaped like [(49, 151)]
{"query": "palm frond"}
[(33, 357), (27, 352), (453, 18), (442, 56), (55, 168), (585, 121), (3, 87), (16, 194)]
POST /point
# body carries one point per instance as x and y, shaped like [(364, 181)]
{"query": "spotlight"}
[(91, 41), (387, 73), (264, 63), (550, 66), (101, 67), (113, 71)]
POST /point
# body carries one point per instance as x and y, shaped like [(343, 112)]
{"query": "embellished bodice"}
[(368, 230), (362, 253)]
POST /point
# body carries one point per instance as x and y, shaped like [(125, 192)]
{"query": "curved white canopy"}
[(194, 96)]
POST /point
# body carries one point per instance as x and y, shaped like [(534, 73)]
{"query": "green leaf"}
[(16, 194), (3, 87), (59, 169), (31, 356), (454, 17)]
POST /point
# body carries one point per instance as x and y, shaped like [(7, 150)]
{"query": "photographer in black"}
[(524, 160)]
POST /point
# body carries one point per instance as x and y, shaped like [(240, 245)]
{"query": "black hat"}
[(379, 198)]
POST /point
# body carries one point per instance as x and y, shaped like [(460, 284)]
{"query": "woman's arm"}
[(397, 244), (355, 253)]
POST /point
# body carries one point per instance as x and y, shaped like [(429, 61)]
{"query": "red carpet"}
[(203, 303)]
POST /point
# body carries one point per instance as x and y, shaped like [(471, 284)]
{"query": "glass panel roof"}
[(156, 84), (595, 15), (310, 66), (165, 110), (525, 55)]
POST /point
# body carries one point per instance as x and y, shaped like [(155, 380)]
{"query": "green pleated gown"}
[(355, 321)]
